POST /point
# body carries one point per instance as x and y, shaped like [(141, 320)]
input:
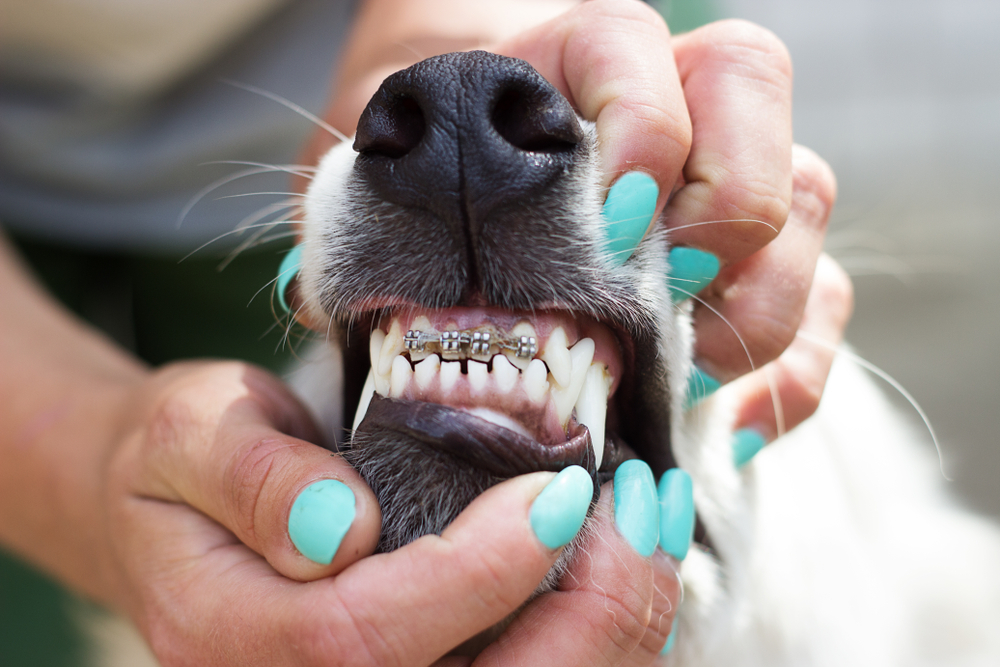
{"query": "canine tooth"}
[(592, 407), (535, 384), (366, 399), (504, 373), (565, 397), (450, 372), (375, 351), (556, 356), (479, 375), (391, 348), (425, 372), (401, 374)]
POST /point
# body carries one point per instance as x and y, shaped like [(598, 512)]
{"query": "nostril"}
[(536, 121), (391, 129)]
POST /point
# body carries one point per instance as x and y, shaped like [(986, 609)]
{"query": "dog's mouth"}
[(507, 392)]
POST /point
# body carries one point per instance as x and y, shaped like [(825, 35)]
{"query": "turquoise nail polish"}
[(690, 271), (746, 443), (671, 639), (676, 513), (560, 509), (701, 385), (637, 512), (628, 211), (290, 266), (320, 517)]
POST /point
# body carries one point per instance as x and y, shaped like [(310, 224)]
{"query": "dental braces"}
[(479, 345)]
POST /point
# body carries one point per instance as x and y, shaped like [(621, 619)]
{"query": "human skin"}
[(164, 493)]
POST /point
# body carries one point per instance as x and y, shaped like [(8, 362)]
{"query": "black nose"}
[(463, 134)]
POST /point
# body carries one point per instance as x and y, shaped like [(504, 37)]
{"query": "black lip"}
[(485, 445)]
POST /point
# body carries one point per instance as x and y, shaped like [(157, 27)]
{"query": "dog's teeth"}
[(566, 397), (556, 356), (592, 407), (401, 374), (366, 399), (420, 323), (425, 372), (375, 351), (504, 373), (392, 347), (520, 329), (450, 372), (479, 375), (536, 386)]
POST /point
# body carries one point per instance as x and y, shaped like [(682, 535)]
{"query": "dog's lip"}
[(480, 443)]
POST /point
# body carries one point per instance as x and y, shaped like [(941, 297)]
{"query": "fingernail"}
[(637, 512), (671, 639), (290, 266), (690, 271), (701, 385), (560, 509), (628, 211), (746, 443), (320, 517), (676, 513)]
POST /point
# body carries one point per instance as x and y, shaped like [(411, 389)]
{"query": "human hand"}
[(199, 492), (707, 114)]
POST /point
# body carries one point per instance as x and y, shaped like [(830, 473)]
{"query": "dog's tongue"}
[(478, 442)]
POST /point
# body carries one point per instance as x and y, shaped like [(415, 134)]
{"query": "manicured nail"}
[(320, 517), (290, 266), (676, 513), (690, 271), (637, 512), (560, 509), (701, 385), (628, 211), (746, 443), (671, 639)]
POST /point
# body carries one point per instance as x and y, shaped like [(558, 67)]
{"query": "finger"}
[(612, 59), (479, 571), (737, 80), (602, 608), (217, 441), (752, 310), (798, 376), (405, 608), (666, 600)]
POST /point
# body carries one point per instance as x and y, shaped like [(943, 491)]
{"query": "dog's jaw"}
[(365, 259)]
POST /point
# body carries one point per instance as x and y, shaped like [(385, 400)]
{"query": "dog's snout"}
[(465, 134)]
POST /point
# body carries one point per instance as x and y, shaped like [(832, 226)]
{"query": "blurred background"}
[(902, 98)]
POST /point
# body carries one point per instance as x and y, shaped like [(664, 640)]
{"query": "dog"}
[(479, 329)]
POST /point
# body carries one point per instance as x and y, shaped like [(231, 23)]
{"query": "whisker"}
[(211, 187), (727, 322), (715, 222), (872, 368), (293, 169), (231, 232), (255, 194), (290, 105)]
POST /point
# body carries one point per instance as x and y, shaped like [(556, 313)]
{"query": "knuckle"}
[(248, 475), (628, 10), (769, 335), (748, 43), (642, 111)]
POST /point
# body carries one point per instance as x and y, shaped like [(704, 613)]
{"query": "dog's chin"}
[(426, 462)]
